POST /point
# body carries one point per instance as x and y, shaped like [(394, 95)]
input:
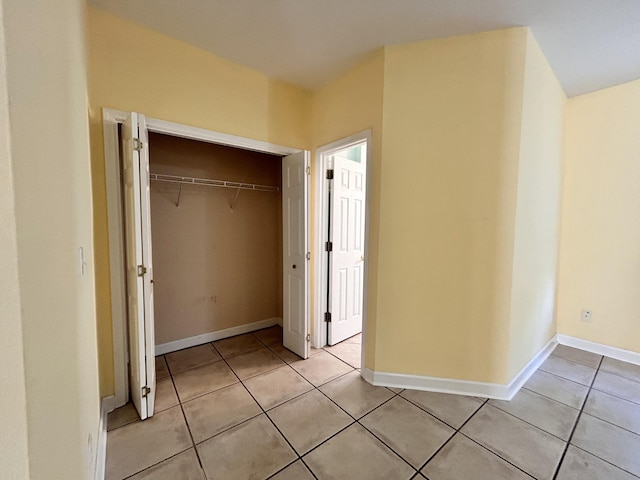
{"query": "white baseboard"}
[(461, 387), (218, 335), (108, 405), (600, 349)]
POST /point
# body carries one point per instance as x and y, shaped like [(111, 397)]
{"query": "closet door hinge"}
[(330, 174), (308, 255), (308, 337), (145, 391), (137, 144), (328, 246), (142, 270), (308, 170), (327, 317)]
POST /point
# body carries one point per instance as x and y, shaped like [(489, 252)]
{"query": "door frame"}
[(321, 259), (110, 120)]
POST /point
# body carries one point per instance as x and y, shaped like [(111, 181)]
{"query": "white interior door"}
[(347, 255), (295, 238), (139, 264)]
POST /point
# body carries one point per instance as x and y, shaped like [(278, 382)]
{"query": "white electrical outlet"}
[(585, 316)]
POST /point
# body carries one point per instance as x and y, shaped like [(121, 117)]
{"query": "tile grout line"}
[(575, 425)]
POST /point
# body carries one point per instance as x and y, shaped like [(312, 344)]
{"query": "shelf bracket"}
[(179, 194), (235, 200)]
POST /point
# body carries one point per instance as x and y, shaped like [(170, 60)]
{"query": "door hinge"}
[(308, 170), (328, 246), (330, 174), (308, 337), (327, 317), (145, 391), (308, 256), (137, 144), (142, 270)]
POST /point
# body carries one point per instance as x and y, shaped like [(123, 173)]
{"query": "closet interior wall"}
[(214, 267)]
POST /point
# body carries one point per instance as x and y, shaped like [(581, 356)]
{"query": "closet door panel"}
[(295, 201)]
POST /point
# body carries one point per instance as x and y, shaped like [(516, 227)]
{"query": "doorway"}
[(140, 347), (341, 239)]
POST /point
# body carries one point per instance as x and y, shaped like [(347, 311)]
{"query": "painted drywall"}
[(600, 234), (350, 104), (214, 267), (46, 85), (132, 68), (450, 149), (537, 229), (14, 462)]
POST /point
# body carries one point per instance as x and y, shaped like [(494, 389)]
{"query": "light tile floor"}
[(247, 408)]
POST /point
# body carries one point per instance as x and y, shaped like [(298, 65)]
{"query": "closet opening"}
[(208, 237)]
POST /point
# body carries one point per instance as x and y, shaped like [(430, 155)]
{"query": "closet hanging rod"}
[(208, 182)]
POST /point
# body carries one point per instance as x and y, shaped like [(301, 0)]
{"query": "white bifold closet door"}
[(139, 264), (295, 239)]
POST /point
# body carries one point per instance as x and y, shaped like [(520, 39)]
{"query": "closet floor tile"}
[(205, 379), (166, 396), (250, 364), (284, 353), (236, 345), (191, 357), (269, 336), (122, 416), (162, 371)]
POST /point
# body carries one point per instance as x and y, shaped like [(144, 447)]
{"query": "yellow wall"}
[(351, 104), (132, 68), (51, 185), (535, 255), (14, 461), (450, 152), (600, 235)]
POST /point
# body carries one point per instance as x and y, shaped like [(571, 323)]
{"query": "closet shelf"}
[(208, 182)]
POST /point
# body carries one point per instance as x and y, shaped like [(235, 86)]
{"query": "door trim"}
[(320, 261), (110, 120)]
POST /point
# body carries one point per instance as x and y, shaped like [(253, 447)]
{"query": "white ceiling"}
[(590, 44)]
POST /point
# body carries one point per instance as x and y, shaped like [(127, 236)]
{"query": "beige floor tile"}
[(166, 396), (252, 450), (580, 465), (321, 368), (551, 416), (122, 416), (236, 345), (309, 420), (356, 396), (408, 430), (572, 371), (529, 448), (462, 458), (577, 356), (313, 351), (396, 390), (205, 379), (253, 363), (618, 386), (614, 410), (162, 371), (295, 471), (277, 386), (624, 369), (215, 412), (613, 444), (269, 336), (451, 409), (347, 352), (557, 388), (192, 357), (134, 447), (355, 454), (284, 353), (355, 339), (184, 466)]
